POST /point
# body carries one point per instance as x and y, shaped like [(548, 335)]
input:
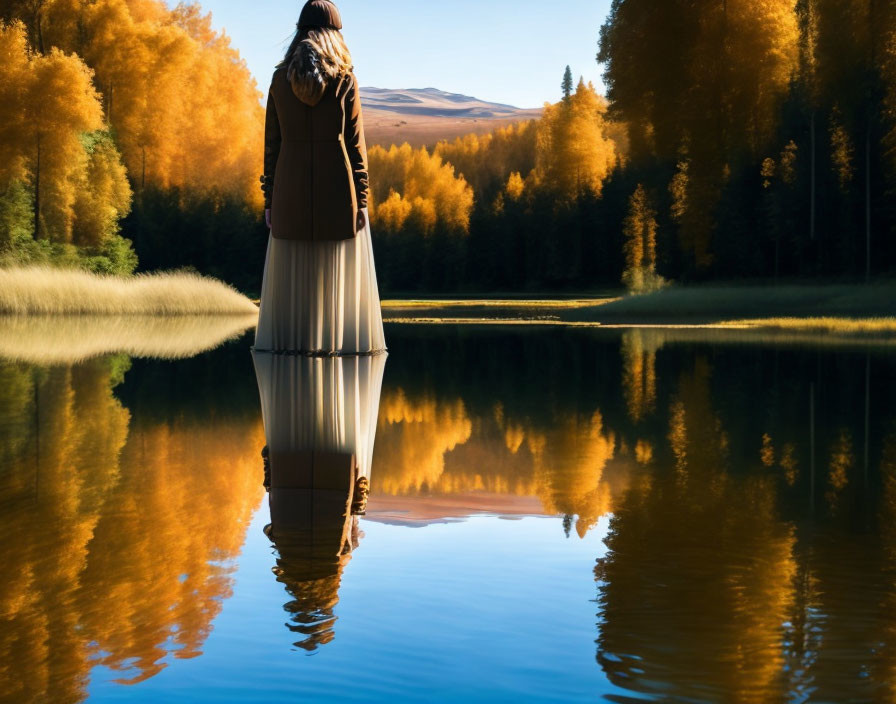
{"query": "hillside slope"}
[(423, 116)]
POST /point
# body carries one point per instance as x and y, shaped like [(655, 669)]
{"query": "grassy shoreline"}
[(852, 310), (838, 309), (30, 291)]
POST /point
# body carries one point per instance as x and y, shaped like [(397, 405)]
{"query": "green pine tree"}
[(567, 82)]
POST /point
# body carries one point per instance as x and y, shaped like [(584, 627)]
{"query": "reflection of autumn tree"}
[(437, 446), (639, 373), (493, 460), (186, 496), (114, 546), (697, 582), (885, 670), (841, 644), (766, 562), (841, 463), (569, 459), (59, 467), (414, 437)]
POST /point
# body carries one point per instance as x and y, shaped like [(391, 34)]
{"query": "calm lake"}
[(554, 514)]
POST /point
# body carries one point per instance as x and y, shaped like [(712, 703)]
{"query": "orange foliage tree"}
[(414, 185), (51, 139), (182, 103), (573, 153), (104, 97)]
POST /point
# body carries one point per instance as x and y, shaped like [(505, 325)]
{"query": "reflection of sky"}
[(483, 610)]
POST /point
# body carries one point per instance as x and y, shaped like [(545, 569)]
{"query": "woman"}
[(319, 294)]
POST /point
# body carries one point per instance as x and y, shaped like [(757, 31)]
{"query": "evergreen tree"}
[(567, 83)]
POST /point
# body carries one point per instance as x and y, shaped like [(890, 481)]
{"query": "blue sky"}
[(500, 50)]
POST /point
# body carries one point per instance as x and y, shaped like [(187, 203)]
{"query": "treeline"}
[(127, 122), (767, 146), (738, 139), (741, 139), (526, 206)]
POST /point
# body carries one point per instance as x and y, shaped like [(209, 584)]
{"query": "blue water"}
[(482, 610), (555, 516)]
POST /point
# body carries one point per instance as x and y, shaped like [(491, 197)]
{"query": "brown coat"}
[(317, 160)]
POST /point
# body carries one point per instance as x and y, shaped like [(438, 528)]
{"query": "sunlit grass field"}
[(49, 291)]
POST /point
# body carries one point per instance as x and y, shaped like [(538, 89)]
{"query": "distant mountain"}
[(423, 116)]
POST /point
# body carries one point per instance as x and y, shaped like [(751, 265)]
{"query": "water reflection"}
[(751, 490), (69, 339), (117, 528), (751, 545), (320, 424), (696, 587), (513, 431), (755, 564)]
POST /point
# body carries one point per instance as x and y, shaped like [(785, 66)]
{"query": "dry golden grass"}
[(48, 291), (70, 339)]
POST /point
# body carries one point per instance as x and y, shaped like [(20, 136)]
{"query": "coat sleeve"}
[(271, 149), (355, 143)]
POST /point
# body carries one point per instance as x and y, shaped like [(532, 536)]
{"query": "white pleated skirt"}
[(320, 297), (321, 403)]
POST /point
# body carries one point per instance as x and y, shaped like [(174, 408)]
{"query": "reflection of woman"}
[(320, 421), (319, 292)]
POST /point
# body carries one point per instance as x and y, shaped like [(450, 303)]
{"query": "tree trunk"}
[(868, 201), (37, 192), (869, 98), (40, 33), (812, 177)]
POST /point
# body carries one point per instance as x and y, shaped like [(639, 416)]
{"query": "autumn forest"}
[(736, 140)]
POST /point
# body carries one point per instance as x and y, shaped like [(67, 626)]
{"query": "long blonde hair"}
[(315, 57)]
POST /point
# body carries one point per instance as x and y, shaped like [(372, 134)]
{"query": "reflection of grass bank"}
[(842, 310), (871, 327), (47, 291), (49, 339), (721, 303), (542, 304)]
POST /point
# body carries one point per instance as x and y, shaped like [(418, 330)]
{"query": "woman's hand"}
[(267, 217), (362, 221)]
